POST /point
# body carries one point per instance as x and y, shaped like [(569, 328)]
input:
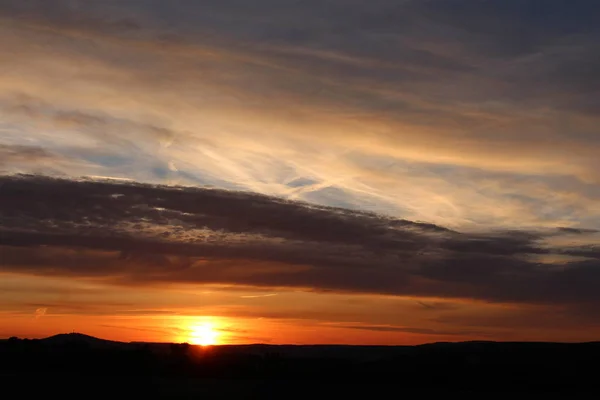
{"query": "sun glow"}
[(204, 334)]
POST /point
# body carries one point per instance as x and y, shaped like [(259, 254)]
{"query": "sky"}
[(300, 171)]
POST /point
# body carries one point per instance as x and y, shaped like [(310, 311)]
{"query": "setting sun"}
[(204, 334)]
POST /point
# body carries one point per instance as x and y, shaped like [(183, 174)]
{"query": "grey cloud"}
[(139, 234), (577, 231), (34, 159), (389, 67), (10, 154), (437, 306), (67, 13), (113, 131), (421, 331), (102, 144), (535, 318), (441, 51)]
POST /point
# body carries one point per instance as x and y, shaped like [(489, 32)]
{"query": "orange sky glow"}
[(215, 315), (341, 171)]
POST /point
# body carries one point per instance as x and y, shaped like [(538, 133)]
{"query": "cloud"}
[(438, 95), (15, 158), (121, 134), (258, 296), (138, 234), (19, 154), (40, 312), (408, 43), (436, 306), (422, 331)]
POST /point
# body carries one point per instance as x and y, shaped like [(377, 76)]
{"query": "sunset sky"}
[(300, 171)]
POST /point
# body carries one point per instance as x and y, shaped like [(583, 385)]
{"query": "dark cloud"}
[(521, 51), (165, 331), (136, 234), (437, 306), (420, 331), (67, 13), (576, 231)]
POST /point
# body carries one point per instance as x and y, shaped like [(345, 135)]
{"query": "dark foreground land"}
[(86, 367)]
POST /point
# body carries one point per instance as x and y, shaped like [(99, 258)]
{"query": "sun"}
[(204, 334)]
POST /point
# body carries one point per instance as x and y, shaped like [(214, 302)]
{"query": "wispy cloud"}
[(258, 296), (40, 312), (348, 98)]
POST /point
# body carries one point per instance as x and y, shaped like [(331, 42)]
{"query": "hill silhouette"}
[(187, 369), (74, 337)]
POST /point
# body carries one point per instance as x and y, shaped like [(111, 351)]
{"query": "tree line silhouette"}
[(452, 366)]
